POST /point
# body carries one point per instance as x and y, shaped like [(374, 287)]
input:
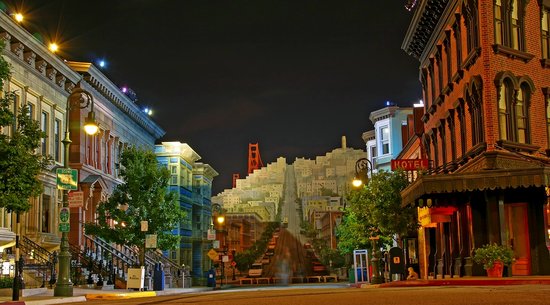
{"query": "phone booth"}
[(361, 266)]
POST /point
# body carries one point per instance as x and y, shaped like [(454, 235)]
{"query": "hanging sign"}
[(151, 241), (67, 179)]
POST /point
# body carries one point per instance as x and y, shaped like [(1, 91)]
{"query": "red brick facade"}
[(488, 152)]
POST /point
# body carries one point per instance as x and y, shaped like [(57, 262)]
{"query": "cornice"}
[(112, 93)]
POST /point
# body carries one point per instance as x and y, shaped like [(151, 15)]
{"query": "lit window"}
[(57, 140), (44, 128), (385, 140), (545, 33)]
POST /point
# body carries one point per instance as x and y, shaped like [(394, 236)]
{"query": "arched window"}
[(508, 21), (513, 104), (521, 115), (471, 21), (505, 96), (473, 99)]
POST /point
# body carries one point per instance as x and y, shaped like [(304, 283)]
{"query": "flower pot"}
[(496, 270)]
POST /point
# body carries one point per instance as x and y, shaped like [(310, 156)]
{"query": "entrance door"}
[(518, 237)]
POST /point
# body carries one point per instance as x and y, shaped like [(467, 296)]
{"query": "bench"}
[(296, 279), (262, 279), (326, 278), (250, 281), (315, 278)]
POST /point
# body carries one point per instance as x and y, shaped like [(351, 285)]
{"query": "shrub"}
[(490, 253)]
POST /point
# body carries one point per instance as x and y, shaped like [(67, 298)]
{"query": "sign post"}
[(67, 179)]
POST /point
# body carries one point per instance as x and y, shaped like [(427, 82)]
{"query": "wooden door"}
[(518, 237)]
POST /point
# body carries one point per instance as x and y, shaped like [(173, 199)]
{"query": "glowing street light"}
[(53, 47), (78, 99), (18, 17)]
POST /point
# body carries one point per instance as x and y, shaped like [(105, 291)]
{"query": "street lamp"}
[(78, 99), (363, 169)]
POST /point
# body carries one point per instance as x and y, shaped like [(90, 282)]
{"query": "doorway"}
[(517, 230)]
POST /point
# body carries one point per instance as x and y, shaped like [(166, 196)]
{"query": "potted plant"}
[(494, 257)]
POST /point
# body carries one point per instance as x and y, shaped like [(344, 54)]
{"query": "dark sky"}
[(292, 75)]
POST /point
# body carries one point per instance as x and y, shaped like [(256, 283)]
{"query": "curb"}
[(119, 296), (47, 301)]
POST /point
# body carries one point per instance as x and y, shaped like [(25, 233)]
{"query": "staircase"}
[(98, 259), (38, 264)]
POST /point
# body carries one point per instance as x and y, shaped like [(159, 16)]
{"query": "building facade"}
[(192, 181), (485, 73), (385, 141)]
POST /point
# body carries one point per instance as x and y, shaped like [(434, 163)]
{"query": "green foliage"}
[(145, 194), (246, 258), (20, 162), (6, 282), (490, 253), (375, 210)]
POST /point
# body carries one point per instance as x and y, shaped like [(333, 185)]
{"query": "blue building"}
[(192, 181), (385, 141)]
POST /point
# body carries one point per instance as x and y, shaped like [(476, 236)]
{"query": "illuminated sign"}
[(409, 164)]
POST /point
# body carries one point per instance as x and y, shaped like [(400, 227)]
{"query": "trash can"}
[(351, 275), (211, 278), (158, 278)]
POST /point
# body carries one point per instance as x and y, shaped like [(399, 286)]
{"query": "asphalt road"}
[(487, 295)]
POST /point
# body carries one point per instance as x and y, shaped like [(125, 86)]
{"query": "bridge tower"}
[(254, 159)]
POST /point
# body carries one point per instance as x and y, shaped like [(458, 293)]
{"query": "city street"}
[(487, 295)]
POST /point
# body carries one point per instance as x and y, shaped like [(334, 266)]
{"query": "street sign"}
[(150, 241), (67, 179), (211, 235), (76, 199), (64, 227), (64, 219), (225, 258), (144, 225), (213, 254)]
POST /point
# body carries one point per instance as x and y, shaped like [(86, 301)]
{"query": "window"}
[(44, 128), (385, 140), (498, 22), (458, 40), (443, 138), (509, 23), (462, 122), (451, 122), (372, 152), (503, 114), (548, 120), (472, 25), (46, 213), (31, 110), (513, 120), (521, 117), (57, 140), (545, 33), (475, 108)]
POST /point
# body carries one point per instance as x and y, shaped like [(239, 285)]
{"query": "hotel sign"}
[(409, 164)]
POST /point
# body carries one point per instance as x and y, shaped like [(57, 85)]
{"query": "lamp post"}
[(78, 99), (363, 169)]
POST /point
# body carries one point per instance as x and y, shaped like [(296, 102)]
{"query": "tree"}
[(20, 162), (143, 196), (375, 210)]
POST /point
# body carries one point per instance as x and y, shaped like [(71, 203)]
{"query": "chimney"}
[(344, 142)]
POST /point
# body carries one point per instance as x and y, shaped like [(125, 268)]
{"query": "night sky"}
[(292, 75)]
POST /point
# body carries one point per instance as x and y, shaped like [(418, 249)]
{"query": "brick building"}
[(485, 74)]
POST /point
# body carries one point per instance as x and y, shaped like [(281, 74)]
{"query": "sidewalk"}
[(83, 294), (464, 281)]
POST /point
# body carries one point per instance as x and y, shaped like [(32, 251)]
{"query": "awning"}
[(441, 184)]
